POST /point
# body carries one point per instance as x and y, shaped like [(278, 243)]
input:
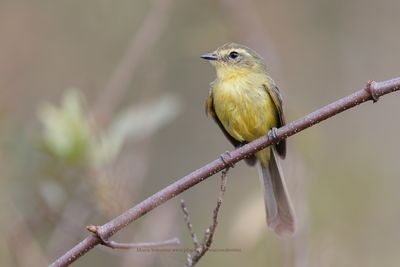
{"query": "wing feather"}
[(276, 97)]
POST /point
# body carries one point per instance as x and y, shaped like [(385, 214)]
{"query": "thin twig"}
[(158, 244), (201, 249), (378, 89), (189, 225), (118, 245)]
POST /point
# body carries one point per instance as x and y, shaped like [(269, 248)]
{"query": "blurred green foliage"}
[(70, 136), (67, 133)]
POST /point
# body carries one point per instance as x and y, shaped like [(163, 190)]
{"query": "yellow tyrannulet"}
[(246, 104)]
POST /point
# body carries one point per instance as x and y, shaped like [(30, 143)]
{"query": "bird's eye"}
[(233, 54)]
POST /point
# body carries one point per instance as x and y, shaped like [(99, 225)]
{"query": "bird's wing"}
[(210, 111), (210, 105), (276, 97)]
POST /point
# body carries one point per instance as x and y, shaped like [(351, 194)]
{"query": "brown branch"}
[(158, 244), (199, 175), (201, 249), (189, 225), (117, 245)]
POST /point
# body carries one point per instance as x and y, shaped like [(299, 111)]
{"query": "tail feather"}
[(280, 216)]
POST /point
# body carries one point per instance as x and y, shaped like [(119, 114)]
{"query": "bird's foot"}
[(272, 134), (226, 159)]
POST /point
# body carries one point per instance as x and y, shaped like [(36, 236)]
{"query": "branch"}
[(372, 91), (189, 225), (201, 249), (117, 245)]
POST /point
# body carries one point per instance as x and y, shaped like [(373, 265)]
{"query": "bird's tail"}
[(280, 216)]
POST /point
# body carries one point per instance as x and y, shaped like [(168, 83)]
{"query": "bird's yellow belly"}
[(245, 113)]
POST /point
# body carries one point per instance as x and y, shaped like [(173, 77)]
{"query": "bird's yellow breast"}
[(243, 105)]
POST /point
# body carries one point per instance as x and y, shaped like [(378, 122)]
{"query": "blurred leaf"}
[(67, 132), (135, 123)]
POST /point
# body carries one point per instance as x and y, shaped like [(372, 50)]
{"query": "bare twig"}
[(201, 249), (189, 225), (199, 175), (159, 244), (117, 245)]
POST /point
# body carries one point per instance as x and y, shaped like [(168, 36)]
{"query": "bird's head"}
[(231, 59)]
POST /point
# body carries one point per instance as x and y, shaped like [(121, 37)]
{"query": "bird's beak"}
[(210, 56)]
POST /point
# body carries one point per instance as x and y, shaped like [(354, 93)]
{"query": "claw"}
[(226, 158), (272, 134)]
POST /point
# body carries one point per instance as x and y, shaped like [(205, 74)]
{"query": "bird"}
[(246, 104)]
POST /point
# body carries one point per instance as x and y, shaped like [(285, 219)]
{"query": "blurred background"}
[(102, 105)]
